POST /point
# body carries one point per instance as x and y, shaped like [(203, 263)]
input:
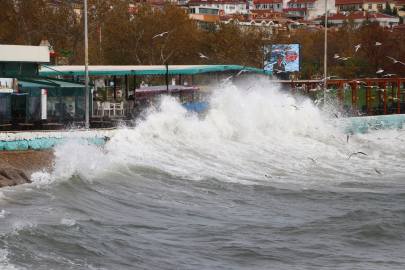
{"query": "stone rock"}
[(25, 177), (14, 176), (5, 182)]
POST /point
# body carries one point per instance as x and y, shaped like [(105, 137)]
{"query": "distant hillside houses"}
[(310, 9), (226, 7), (360, 16)]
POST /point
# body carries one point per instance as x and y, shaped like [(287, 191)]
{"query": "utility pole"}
[(86, 68), (325, 56)]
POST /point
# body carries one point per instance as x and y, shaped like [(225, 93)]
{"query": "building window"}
[(192, 10), (354, 6), (247, 6), (231, 6), (278, 5), (360, 6), (257, 6), (311, 5), (264, 6), (270, 5), (379, 6), (370, 6), (302, 5)]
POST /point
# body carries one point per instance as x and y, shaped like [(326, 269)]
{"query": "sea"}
[(267, 180)]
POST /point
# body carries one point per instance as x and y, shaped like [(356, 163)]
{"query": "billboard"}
[(282, 57), (8, 85)]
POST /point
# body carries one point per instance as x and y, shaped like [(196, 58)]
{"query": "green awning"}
[(144, 70), (35, 82)]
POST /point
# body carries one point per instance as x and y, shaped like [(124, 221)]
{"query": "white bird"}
[(224, 81), (371, 86), (203, 56), (377, 43), (357, 47), (243, 70), (344, 58), (396, 61), (389, 75), (356, 154), (336, 56), (380, 71), (160, 35)]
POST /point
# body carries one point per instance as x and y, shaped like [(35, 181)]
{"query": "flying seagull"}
[(377, 43), (389, 75), (160, 35), (356, 154), (380, 71), (357, 47), (396, 61), (224, 81), (243, 70), (203, 56), (378, 171), (336, 56), (314, 160)]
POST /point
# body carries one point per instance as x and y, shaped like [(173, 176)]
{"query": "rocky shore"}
[(16, 167)]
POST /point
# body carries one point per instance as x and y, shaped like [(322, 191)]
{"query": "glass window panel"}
[(53, 108), (4, 111), (81, 107), (35, 108), (68, 107)]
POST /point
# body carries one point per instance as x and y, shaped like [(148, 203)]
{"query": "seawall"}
[(25, 152)]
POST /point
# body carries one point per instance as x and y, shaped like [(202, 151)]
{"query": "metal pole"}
[(86, 68), (326, 48), (167, 78)]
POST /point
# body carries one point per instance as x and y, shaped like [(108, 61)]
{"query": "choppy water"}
[(180, 193)]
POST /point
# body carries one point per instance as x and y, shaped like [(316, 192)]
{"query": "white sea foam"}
[(67, 222), (245, 135)]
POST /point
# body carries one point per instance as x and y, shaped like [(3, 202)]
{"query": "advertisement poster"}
[(8, 85), (282, 57)]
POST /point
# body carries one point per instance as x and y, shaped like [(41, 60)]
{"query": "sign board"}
[(283, 57), (8, 85), (44, 93)]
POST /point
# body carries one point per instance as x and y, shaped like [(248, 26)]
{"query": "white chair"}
[(119, 108), (97, 107), (128, 106), (105, 108)]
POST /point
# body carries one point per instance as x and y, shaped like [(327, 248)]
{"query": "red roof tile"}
[(355, 15), (217, 2), (344, 2)]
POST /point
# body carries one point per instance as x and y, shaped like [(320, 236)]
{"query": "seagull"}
[(336, 56), (377, 43), (389, 75), (380, 71), (295, 107), (314, 160), (227, 79), (160, 35), (357, 47), (243, 70), (356, 154), (344, 58), (203, 56), (396, 61)]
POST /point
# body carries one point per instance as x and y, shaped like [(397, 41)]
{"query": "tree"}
[(21, 22), (152, 36), (330, 24)]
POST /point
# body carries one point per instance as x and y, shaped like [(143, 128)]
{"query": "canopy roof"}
[(143, 70), (51, 82), (163, 88)]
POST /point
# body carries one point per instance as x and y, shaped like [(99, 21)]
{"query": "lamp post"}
[(86, 71)]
